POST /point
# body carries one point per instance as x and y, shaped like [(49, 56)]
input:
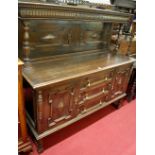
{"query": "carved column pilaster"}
[(39, 110), (118, 37), (26, 47)]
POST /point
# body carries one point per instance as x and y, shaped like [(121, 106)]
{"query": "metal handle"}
[(88, 84), (105, 91)]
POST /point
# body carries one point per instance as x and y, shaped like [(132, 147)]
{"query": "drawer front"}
[(124, 68), (96, 79), (93, 97), (95, 89)]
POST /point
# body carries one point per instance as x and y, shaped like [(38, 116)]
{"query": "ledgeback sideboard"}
[(69, 68)]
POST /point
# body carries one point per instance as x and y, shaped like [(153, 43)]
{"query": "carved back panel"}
[(48, 30), (57, 37)]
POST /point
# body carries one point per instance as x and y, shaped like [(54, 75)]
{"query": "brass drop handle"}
[(88, 84), (107, 79), (104, 91), (86, 96)]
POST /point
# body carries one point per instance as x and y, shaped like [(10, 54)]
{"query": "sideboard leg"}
[(40, 147), (132, 93), (118, 103)]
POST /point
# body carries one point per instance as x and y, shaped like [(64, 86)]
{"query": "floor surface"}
[(109, 131)]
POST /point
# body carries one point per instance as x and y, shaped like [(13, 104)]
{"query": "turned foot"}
[(118, 103), (40, 147)]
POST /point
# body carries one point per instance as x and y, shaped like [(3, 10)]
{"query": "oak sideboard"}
[(70, 70)]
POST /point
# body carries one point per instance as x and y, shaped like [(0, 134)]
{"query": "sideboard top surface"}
[(47, 72)]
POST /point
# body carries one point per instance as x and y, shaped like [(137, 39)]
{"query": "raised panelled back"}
[(56, 37)]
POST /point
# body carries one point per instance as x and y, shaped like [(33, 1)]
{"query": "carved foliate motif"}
[(59, 103), (121, 81)]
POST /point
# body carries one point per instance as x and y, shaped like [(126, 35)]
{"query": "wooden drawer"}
[(96, 79), (124, 68), (95, 89), (97, 96)]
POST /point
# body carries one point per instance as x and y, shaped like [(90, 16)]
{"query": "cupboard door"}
[(62, 104), (59, 107), (121, 81)]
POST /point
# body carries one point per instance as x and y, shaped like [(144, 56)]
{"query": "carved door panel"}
[(62, 105), (121, 81), (59, 107)]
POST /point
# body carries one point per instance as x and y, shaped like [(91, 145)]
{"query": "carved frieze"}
[(29, 12), (36, 10)]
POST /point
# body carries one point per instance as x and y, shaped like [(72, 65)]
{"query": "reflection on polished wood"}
[(74, 66)]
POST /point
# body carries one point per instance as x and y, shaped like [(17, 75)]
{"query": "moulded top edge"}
[(43, 5)]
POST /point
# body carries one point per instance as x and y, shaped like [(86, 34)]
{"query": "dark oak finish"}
[(131, 90), (24, 143), (70, 71)]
